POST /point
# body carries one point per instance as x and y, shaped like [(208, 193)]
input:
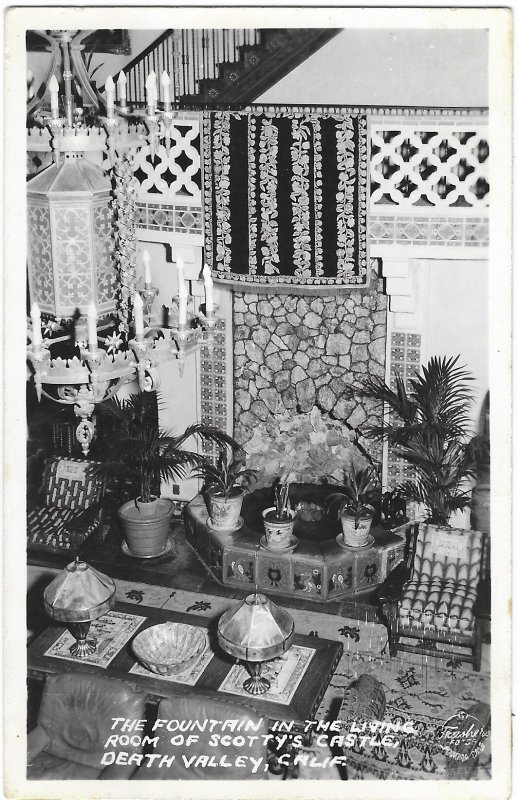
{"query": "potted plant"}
[(279, 520), (225, 484), (393, 510), (428, 424), (355, 505), (138, 452)]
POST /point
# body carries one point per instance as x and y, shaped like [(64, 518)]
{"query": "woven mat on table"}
[(425, 690)]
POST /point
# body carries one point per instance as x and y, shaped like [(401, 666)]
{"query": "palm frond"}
[(138, 447), (428, 424), (229, 472)]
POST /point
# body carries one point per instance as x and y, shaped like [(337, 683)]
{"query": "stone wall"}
[(295, 356)]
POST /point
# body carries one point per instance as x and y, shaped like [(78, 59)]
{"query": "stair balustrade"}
[(189, 57)]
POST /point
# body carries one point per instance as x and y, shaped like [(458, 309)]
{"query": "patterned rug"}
[(423, 690), (426, 691), (286, 198)]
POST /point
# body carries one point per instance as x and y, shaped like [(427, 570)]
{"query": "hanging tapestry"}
[(286, 198)]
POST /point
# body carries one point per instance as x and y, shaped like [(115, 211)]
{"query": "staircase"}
[(226, 66)]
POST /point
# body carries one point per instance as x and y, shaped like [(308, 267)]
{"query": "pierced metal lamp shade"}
[(78, 595), (69, 239), (256, 630)]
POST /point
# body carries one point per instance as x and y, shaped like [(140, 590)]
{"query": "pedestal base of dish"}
[(81, 647), (255, 684)]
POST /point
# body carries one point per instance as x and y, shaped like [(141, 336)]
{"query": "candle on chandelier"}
[(146, 260), (182, 305), (151, 92), (121, 88), (36, 326), (165, 81), (209, 297), (138, 315), (110, 96), (54, 99), (179, 267), (92, 327)]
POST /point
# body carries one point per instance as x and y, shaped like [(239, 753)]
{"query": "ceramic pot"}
[(278, 532), (356, 536), (224, 512), (481, 507), (146, 525)]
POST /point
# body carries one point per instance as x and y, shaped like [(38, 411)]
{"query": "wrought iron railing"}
[(188, 57)]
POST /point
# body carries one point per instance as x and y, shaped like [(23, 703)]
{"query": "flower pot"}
[(356, 536), (481, 507), (146, 526), (224, 512), (278, 532)]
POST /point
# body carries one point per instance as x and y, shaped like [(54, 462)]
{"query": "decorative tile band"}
[(169, 218), (405, 359), (396, 230), (437, 231), (323, 571), (213, 369)]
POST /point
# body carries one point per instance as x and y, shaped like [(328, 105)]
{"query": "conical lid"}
[(71, 176), (79, 592), (255, 627)]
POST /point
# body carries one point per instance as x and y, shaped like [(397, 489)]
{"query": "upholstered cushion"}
[(76, 713), (61, 528), (70, 483), (47, 767), (41, 520), (199, 709), (444, 605), (443, 588), (447, 554)]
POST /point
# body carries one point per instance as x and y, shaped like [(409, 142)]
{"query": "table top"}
[(302, 706)]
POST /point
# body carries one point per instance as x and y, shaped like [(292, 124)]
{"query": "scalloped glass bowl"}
[(169, 648)]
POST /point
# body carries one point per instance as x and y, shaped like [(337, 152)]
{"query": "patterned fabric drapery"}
[(286, 198)]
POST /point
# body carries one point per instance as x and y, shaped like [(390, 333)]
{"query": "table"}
[(316, 570), (306, 699)]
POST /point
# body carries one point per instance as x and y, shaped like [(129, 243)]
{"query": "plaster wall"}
[(391, 67), (455, 319)]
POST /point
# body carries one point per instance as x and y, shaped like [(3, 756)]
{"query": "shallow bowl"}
[(169, 648)]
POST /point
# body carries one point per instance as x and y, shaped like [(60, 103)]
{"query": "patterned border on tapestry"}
[(405, 359), (213, 389), (295, 187)]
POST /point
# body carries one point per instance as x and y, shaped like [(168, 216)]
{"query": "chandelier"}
[(92, 326)]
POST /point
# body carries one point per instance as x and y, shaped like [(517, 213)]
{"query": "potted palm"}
[(225, 484), (428, 425), (279, 520), (354, 505), (138, 452)]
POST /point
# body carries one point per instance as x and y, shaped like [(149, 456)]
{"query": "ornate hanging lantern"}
[(81, 264), (70, 234)]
